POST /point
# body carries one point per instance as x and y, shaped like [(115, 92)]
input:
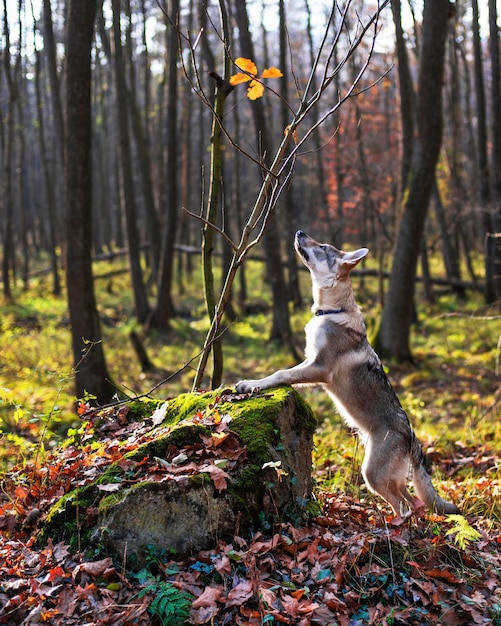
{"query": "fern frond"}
[(463, 533)]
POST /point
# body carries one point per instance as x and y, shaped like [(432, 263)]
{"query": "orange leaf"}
[(255, 91), (55, 572), (271, 72), (237, 79), (21, 492), (246, 65), (443, 574)]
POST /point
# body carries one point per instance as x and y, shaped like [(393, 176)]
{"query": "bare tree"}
[(277, 174), (483, 188), (494, 289), (8, 151), (165, 309), (393, 334), (91, 374), (140, 299)]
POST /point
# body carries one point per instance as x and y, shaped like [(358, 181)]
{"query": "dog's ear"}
[(354, 258)]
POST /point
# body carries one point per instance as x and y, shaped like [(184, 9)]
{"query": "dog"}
[(340, 358)]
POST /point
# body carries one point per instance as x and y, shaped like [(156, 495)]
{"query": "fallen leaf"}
[(209, 597), (109, 487), (240, 594)]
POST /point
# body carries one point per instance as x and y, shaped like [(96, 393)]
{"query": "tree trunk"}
[(290, 219), (49, 182), (165, 309), (318, 168), (8, 151), (483, 191), (393, 335), (140, 299), (449, 254), (51, 60), (281, 322), (407, 96), (139, 129), (223, 89), (496, 145), (91, 374)]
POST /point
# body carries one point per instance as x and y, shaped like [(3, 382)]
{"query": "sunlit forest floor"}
[(451, 391)]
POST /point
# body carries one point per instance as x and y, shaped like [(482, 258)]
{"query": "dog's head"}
[(326, 263)]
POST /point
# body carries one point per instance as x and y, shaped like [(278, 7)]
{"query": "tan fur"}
[(339, 357)]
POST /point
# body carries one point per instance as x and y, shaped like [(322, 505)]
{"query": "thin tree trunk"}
[(49, 186), (51, 59), (407, 96), (483, 190), (7, 193), (140, 298), (91, 374), (318, 168), (451, 260), (281, 322), (291, 211), (496, 144), (144, 162), (223, 88), (165, 309)]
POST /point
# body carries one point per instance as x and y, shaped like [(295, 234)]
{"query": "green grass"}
[(451, 393)]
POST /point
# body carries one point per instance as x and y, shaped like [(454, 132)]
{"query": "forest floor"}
[(351, 564)]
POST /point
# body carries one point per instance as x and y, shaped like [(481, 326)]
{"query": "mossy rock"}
[(187, 512)]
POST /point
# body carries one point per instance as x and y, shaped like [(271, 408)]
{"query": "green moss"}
[(66, 519), (109, 501), (186, 406), (254, 421), (141, 409)]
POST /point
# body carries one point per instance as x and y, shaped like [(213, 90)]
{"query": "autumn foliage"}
[(249, 74)]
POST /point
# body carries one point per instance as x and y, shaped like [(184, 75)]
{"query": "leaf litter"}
[(349, 566)]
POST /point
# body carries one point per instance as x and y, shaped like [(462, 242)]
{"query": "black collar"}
[(329, 311)]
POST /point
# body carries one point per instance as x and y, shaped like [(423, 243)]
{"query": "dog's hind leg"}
[(385, 469)]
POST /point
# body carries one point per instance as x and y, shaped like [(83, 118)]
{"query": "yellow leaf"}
[(18, 414), (255, 91), (246, 65), (237, 79), (271, 72)]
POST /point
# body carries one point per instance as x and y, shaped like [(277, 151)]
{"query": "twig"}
[(147, 394)]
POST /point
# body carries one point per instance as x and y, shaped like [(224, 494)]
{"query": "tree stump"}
[(211, 466)]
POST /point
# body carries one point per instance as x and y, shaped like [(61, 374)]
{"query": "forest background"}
[(149, 202), (136, 216)]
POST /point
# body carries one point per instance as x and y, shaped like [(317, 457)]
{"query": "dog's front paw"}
[(247, 386)]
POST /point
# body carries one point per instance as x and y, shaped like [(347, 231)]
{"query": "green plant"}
[(463, 533), (170, 605)]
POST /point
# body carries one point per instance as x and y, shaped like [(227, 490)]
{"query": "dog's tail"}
[(423, 485)]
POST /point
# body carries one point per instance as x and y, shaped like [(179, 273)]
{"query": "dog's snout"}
[(300, 234)]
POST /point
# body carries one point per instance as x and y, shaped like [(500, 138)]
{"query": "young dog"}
[(339, 357)]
